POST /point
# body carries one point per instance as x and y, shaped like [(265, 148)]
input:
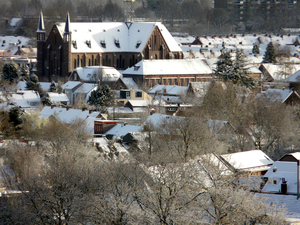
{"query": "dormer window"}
[(103, 44), (74, 44), (117, 43), (88, 43), (136, 68), (138, 43), (118, 30)]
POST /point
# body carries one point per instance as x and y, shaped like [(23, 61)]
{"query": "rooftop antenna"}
[(128, 10)]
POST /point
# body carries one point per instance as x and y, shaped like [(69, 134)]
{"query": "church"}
[(116, 44)]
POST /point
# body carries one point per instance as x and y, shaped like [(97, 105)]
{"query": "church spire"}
[(41, 26), (67, 32), (67, 26)]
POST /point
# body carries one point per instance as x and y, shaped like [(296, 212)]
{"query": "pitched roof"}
[(130, 37), (94, 73), (58, 97), (71, 84), (168, 90), (199, 88), (170, 66), (294, 78), (248, 159), (279, 94), (121, 130), (68, 115), (23, 98)]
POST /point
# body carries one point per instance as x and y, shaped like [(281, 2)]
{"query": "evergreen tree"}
[(24, 75), (33, 83), (240, 71), (10, 72), (46, 100), (53, 87), (269, 56), (103, 96), (224, 70), (255, 49)]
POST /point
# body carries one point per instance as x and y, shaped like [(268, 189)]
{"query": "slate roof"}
[(126, 34), (169, 67)]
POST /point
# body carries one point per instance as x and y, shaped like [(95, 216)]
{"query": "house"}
[(91, 74), (273, 72), (59, 99), (45, 86), (25, 99), (169, 72), (289, 97), (171, 94), (281, 178), (253, 162), (78, 91), (126, 94), (141, 106), (120, 130), (197, 89), (102, 126), (116, 44)]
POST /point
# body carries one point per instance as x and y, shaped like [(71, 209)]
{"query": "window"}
[(89, 62), (127, 95), (175, 81), (169, 81), (164, 81), (138, 94), (181, 82), (152, 83), (274, 181), (186, 81)]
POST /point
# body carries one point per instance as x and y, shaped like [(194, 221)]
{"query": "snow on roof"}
[(68, 115), (199, 88), (71, 84), (279, 170), (159, 119), (216, 125), (26, 99), (129, 82), (144, 103), (86, 88), (169, 67), (278, 71), (296, 155), (168, 90), (279, 94), (121, 130), (294, 78), (14, 21), (115, 36), (94, 73), (112, 110), (12, 42), (248, 159), (58, 97)]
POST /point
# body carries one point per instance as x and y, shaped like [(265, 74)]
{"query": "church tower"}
[(40, 37), (66, 54)]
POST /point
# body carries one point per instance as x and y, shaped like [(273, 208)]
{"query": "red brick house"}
[(116, 44)]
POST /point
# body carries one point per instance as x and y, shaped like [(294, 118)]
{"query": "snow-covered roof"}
[(159, 119), (129, 82), (144, 103), (71, 84), (169, 67), (278, 71), (199, 88), (26, 99), (248, 159), (121, 130), (58, 97), (216, 125), (14, 21), (12, 43), (115, 36), (86, 88), (296, 155), (168, 90), (94, 73), (278, 171), (68, 115), (279, 94), (294, 78)]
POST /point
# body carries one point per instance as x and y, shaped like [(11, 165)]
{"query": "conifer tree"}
[(255, 49), (10, 72), (224, 68), (269, 56), (53, 87), (33, 83), (103, 96)]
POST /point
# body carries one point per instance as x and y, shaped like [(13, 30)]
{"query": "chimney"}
[(67, 108), (83, 109), (99, 83), (90, 111), (52, 106)]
